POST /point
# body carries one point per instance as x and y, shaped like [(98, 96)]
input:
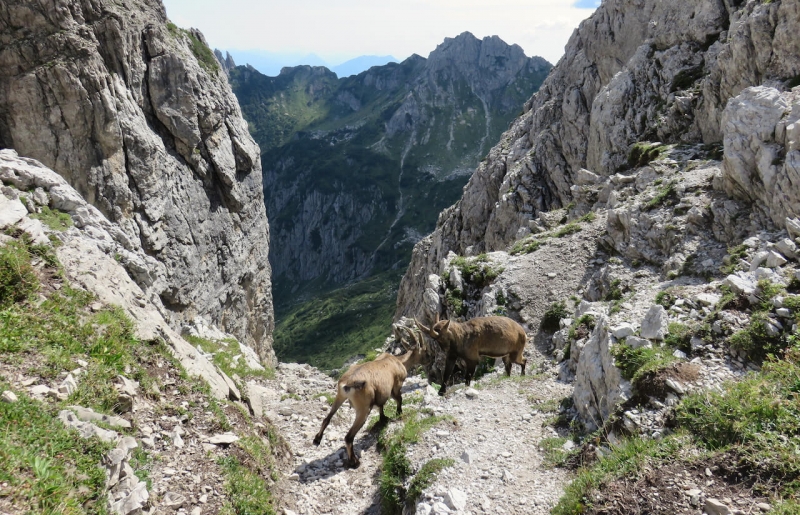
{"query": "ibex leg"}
[(351, 435), (336, 404)]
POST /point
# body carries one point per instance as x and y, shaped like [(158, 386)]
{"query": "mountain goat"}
[(493, 336), (372, 384)]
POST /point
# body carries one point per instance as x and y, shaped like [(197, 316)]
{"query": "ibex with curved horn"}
[(372, 384), (496, 337)]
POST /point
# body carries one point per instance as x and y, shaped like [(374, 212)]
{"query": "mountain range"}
[(357, 169)]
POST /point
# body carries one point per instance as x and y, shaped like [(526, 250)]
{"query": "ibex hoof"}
[(317, 440), (354, 464), (441, 392)]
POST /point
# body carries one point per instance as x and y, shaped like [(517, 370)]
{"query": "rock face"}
[(136, 115), (636, 70), (356, 169)]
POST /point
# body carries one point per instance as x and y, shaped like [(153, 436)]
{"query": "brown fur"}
[(496, 337), (372, 384)]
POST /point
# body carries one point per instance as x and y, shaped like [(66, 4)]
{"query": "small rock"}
[(508, 477), (775, 260), (716, 507), (783, 312), (679, 354), (173, 500), (455, 499), (707, 299), (675, 386), (787, 248), (764, 506), (654, 325), (9, 396), (468, 457), (196, 510), (68, 386), (634, 342), (471, 393), (740, 284), (622, 331), (222, 439)]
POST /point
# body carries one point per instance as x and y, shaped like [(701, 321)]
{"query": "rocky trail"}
[(491, 432)]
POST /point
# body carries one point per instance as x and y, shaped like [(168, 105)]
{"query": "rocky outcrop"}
[(136, 115), (227, 63), (634, 71), (95, 260)]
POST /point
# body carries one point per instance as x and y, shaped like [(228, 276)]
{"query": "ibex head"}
[(439, 331), (417, 351)]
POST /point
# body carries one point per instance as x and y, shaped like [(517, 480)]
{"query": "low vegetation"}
[(641, 154), (346, 322), (553, 316), (478, 271), (396, 468)]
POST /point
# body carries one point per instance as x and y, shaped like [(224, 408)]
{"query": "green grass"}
[(53, 218), (525, 246), (335, 326), (570, 228), (635, 363), (736, 254), (751, 427), (666, 195), (205, 57), (396, 467), (627, 460), (425, 477), (583, 323), (18, 281), (48, 468), (554, 453), (248, 492), (224, 352)]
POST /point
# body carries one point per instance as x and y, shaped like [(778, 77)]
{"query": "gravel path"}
[(498, 423)]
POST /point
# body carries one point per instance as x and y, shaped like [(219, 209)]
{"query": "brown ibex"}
[(372, 384), (493, 336)]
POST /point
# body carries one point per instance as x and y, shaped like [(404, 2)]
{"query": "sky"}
[(338, 30)]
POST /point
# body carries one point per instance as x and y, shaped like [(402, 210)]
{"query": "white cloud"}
[(340, 29)]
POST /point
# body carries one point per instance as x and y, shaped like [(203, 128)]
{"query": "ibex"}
[(483, 336), (372, 384)]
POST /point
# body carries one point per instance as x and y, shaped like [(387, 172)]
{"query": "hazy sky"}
[(337, 30)]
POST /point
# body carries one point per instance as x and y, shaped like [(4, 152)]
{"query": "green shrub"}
[(478, 270), (553, 315), (455, 299), (642, 154)]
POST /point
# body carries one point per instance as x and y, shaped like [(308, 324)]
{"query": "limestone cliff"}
[(636, 70), (137, 116)]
